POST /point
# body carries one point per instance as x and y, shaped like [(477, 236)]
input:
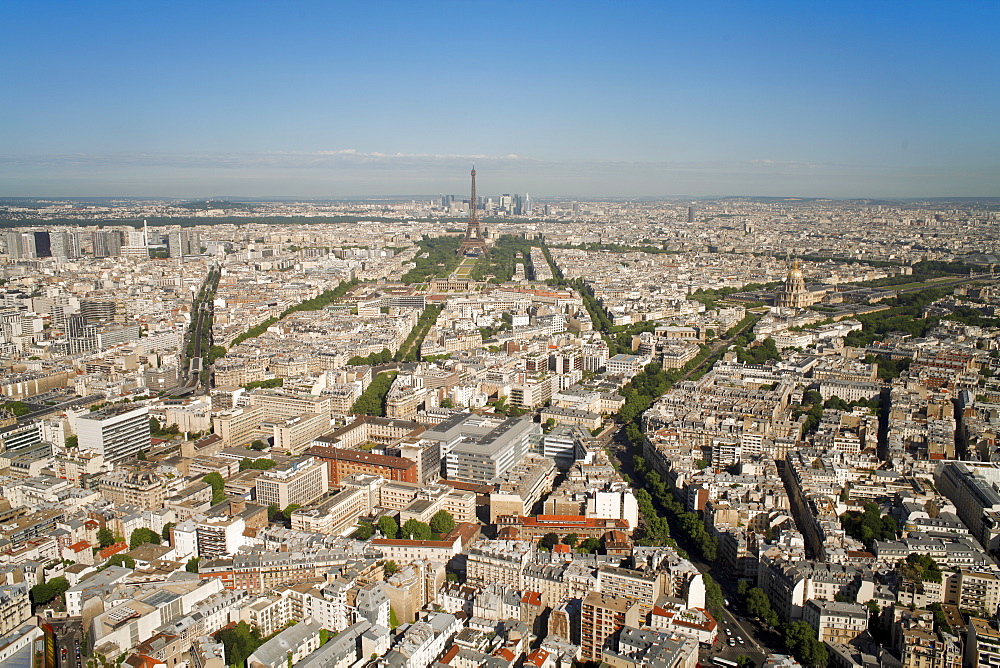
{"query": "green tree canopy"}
[(105, 537), (802, 643), (192, 564), (714, 600), (42, 593), (365, 530), (869, 525), (262, 464), (143, 535), (759, 605), (218, 487), (240, 642), (415, 530), (548, 541), (120, 559), (442, 522), (919, 568), (388, 526)]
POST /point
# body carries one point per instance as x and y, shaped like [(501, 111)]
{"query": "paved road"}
[(61, 407), (755, 639), (719, 345), (68, 642)]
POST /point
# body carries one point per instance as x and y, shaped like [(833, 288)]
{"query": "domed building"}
[(794, 293)]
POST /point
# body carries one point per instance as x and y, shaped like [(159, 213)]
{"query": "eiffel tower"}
[(474, 243)]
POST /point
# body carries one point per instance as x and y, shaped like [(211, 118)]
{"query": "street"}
[(755, 646)]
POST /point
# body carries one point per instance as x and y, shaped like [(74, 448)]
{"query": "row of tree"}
[(17, 408), (441, 523), (372, 400), (322, 300), (503, 259), (218, 484), (680, 520), (759, 354), (265, 384), (905, 315), (800, 638), (42, 593), (410, 350), (384, 356), (262, 464), (439, 257)]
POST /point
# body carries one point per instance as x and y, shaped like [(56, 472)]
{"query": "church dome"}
[(795, 274)]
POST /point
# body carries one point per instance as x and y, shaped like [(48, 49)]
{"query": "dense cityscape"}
[(494, 430)]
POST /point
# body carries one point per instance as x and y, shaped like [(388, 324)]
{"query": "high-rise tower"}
[(474, 242)]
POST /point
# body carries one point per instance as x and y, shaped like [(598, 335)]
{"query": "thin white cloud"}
[(353, 157)]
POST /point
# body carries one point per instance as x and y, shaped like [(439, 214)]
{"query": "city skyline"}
[(646, 100)]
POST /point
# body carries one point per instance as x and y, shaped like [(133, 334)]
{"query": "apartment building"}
[(117, 432), (238, 426), (602, 617), (299, 481), (295, 434), (982, 644), (835, 621), (973, 590)]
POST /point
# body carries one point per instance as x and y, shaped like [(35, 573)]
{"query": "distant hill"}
[(208, 204)]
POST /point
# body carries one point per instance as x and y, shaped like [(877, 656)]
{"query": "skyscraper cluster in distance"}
[(505, 204)]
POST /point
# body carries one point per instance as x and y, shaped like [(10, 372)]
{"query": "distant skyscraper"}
[(28, 245), (506, 202), (43, 245), (690, 214), (193, 241), (175, 247), (527, 204), (64, 244), (107, 243), (15, 248), (183, 242)]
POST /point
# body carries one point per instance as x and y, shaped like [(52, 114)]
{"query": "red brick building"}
[(342, 463)]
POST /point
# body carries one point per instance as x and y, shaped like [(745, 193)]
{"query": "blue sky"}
[(577, 99)]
